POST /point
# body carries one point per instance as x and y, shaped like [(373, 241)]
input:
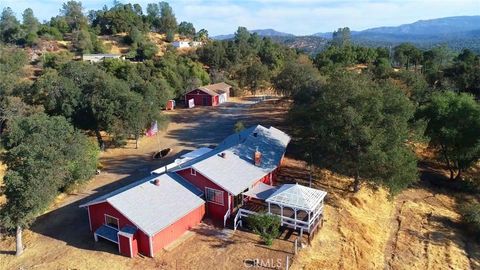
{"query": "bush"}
[(265, 225), (471, 216)]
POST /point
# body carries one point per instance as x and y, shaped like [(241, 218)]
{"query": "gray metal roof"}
[(152, 208), (236, 171), (261, 191), (213, 89)]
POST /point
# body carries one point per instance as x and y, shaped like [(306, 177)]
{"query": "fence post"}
[(296, 246)]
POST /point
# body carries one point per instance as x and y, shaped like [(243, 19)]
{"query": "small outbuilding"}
[(209, 95)]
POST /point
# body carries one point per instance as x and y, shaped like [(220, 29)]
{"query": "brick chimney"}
[(257, 157)]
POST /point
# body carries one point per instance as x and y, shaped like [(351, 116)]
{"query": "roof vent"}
[(157, 182), (223, 155)]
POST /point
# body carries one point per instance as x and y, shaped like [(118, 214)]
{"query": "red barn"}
[(147, 215), (209, 95)]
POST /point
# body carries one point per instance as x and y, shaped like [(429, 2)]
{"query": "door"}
[(205, 101)]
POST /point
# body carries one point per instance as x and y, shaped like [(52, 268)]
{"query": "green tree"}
[(382, 68), (407, 54), (10, 30), (465, 72), (187, 29), (435, 61), (453, 126), (254, 75), (358, 127), (72, 12), (341, 37), (59, 95), (153, 15), (12, 62), (202, 35), (30, 26), (40, 163), (167, 21), (265, 225), (296, 76)]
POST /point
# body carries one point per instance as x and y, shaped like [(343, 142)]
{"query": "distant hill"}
[(457, 32), (424, 29), (260, 32)]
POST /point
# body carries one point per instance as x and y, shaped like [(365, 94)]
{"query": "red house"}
[(237, 164), (147, 215), (209, 95)]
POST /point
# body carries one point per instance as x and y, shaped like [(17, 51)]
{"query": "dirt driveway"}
[(60, 238)]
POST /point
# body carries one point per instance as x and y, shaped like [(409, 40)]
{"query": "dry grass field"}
[(417, 229)]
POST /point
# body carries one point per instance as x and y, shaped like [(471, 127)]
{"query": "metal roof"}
[(261, 191), (236, 171), (213, 89), (152, 208), (183, 158), (297, 196)]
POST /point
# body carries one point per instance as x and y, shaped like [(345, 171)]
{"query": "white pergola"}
[(298, 198)]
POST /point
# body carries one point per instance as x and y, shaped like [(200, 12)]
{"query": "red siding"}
[(172, 232), (97, 219), (198, 97), (143, 244), (124, 245), (214, 211)]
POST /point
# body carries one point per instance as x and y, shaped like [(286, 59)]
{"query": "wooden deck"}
[(262, 207)]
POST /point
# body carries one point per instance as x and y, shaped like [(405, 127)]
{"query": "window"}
[(213, 195), (192, 171), (111, 222)]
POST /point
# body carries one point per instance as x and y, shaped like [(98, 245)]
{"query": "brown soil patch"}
[(115, 43)]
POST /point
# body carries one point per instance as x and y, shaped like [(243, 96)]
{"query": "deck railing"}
[(227, 215), (285, 221)]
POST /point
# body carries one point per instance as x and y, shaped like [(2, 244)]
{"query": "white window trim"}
[(193, 171), (215, 190), (118, 222), (150, 242)]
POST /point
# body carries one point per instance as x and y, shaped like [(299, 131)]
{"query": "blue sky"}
[(293, 16)]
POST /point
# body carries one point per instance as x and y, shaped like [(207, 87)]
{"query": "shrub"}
[(265, 225), (239, 126), (471, 216)]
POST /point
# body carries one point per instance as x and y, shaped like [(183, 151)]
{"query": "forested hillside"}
[(358, 111)]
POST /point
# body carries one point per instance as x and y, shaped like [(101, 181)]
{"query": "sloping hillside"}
[(418, 229)]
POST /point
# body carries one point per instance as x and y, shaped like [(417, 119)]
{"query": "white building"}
[(95, 58), (181, 44)]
